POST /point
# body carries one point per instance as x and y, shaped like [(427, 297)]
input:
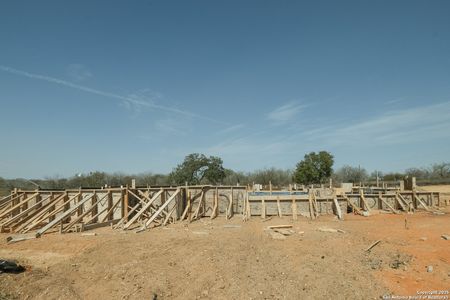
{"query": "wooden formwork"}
[(394, 201), (42, 211), (139, 208)]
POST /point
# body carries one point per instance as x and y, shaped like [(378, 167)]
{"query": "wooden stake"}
[(294, 209), (279, 206)]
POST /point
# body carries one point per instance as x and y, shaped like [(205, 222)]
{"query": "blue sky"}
[(134, 86)]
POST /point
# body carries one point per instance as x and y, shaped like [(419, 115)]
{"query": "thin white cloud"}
[(171, 126), (107, 94), (285, 112), (230, 129), (395, 100), (140, 100), (393, 127), (78, 72)]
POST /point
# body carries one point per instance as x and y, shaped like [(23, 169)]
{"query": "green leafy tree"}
[(314, 168), (198, 168)]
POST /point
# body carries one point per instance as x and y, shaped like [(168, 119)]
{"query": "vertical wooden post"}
[(25, 205), (270, 187), (294, 209), (95, 209), (189, 208), (52, 208), (163, 198), (380, 204), (17, 210), (414, 201), (125, 205), (80, 209), (15, 202), (110, 204), (263, 209), (215, 209), (311, 209), (249, 211), (66, 202), (230, 207)]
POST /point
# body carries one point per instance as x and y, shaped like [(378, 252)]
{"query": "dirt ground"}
[(229, 259)]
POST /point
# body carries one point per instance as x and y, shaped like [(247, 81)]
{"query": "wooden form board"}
[(45, 211)]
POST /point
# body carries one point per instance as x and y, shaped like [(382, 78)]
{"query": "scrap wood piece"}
[(324, 229), (89, 234), (279, 226), (85, 227), (284, 231), (231, 226), (19, 238), (267, 219), (445, 237), (373, 245)]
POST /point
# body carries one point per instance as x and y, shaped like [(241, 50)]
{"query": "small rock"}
[(423, 238), (430, 269)]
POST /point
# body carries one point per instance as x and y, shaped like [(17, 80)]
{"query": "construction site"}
[(222, 242)]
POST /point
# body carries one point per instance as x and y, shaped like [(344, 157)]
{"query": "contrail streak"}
[(103, 93)]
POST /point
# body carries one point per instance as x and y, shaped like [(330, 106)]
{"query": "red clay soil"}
[(205, 260)]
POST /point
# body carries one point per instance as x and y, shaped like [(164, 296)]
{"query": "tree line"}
[(315, 168)]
